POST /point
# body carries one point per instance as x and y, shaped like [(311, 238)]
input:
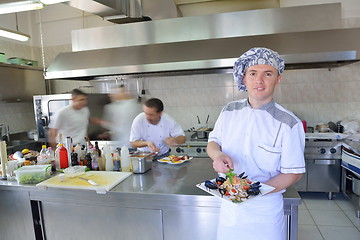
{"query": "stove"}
[(191, 148), (323, 164)]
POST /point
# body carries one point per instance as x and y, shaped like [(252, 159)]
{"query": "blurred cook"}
[(261, 138), (154, 130), (72, 120)]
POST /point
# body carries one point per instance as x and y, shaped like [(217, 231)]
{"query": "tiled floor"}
[(323, 219)]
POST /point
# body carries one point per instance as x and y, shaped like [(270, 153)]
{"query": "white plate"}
[(167, 160), (264, 189)]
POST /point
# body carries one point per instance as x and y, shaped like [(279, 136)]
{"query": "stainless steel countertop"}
[(352, 145), (163, 179)]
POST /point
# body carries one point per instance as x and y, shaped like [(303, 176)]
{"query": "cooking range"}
[(323, 164), (195, 147)]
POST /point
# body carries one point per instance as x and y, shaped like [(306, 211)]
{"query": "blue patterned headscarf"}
[(256, 56)]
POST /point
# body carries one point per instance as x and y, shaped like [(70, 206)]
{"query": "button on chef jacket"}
[(262, 143), (141, 129)]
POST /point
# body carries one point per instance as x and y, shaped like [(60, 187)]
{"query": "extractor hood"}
[(307, 36)]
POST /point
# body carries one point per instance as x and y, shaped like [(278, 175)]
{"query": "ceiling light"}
[(14, 35), (20, 6), (49, 2)]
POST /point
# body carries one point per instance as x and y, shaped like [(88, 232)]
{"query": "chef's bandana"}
[(256, 56)]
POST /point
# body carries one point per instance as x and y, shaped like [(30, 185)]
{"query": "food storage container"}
[(33, 174), (141, 161), (74, 171)]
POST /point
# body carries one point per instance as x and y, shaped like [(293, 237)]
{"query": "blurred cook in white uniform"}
[(259, 137), (119, 115), (154, 130)]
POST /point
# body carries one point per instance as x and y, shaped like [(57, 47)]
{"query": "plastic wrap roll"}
[(3, 155)]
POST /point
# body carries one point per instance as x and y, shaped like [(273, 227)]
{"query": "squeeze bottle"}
[(125, 160), (109, 164), (63, 157)]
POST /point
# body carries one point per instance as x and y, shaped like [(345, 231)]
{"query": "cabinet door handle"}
[(324, 161)]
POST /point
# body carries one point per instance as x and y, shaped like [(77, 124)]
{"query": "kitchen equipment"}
[(322, 159), (203, 133), (141, 161), (106, 181), (356, 185), (46, 106), (351, 177), (322, 127), (191, 148)]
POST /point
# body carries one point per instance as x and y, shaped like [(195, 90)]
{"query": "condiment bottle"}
[(63, 157), (125, 159), (109, 164), (51, 157)]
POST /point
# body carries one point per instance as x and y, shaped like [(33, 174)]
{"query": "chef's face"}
[(260, 81), (152, 116), (79, 101)]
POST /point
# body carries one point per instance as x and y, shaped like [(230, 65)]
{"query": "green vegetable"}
[(230, 175)]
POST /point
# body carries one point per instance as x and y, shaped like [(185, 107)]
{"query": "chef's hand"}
[(152, 147), (222, 163), (170, 141)]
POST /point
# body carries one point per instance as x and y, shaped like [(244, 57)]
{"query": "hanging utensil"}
[(207, 119), (198, 119)]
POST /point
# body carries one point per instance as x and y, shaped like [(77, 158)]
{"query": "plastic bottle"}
[(42, 158), (109, 164), (125, 159), (62, 156), (94, 160), (51, 157)]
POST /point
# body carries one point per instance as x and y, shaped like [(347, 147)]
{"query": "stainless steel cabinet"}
[(16, 220)]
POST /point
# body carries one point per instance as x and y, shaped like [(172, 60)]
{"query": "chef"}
[(261, 138), (153, 130), (72, 120)]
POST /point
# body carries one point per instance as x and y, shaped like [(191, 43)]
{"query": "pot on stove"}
[(203, 133)]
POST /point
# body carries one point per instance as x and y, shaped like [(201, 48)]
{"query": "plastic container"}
[(74, 171), (61, 157), (33, 174)]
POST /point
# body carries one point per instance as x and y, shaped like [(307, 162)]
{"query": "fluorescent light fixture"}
[(14, 35), (20, 6), (49, 2)]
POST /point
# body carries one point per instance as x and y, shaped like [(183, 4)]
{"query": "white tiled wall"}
[(315, 95), (18, 116)]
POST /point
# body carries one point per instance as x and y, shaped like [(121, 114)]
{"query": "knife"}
[(90, 181)]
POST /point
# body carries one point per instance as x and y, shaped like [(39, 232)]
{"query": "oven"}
[(323, 166), (45, 107)]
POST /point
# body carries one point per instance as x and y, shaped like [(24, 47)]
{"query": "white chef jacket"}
[(262, 143), (72, 123), (141, 129), (121, 114)]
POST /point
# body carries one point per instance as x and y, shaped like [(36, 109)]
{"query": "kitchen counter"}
[(153, 205), (352, 145)]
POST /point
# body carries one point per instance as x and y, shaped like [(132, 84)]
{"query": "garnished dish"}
[(172, 159), (235, 188)]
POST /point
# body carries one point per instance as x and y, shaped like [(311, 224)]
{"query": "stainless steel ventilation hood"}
[(308, 36)]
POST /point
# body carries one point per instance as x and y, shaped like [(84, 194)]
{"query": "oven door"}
[(45, 107), (324, 175)]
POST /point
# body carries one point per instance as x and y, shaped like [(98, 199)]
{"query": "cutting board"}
[(106, 181)]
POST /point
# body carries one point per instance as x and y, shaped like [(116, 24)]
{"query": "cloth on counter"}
[(256, 56), (141, 129)]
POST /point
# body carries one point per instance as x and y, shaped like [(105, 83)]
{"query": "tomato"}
[(246, 187)]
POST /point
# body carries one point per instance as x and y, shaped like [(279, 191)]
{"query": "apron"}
[(259, 218)]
